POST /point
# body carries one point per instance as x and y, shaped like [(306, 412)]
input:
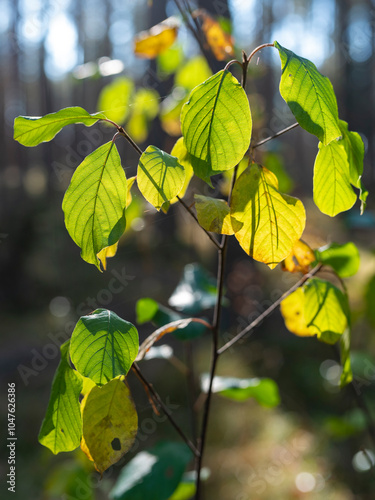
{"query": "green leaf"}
[(309, 95), (213, 214), (103, 346), (216, 125), (326, 310), (181, 153), (274, 162), (94, 203), (346, 374), (114, 99), (370, 301), (149, 310), (169, 60), (266, 222), (333, 192), (160, 176), (187, 487), (62, 427), (344, 259), (355, 151), (153, 474), (318, 308), (263, 390), (195, 292), (32, 130), (144, 109), (109, 423), (349, 424), (192, 73)]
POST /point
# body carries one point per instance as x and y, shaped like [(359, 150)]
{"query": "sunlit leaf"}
[(319, 308), (213, 214), (107, 253), (109, 423), (333, 192), (344, 259), (130, 183), (170, 110), (144, 108), (263, 390), (170, 59), (152, 474), (149, 310), (226, 182), (160, 176), (150, 43), (220, 42), (195, 292), (103, 346), (355, 151), (216, 125), (187, 487), (266, 222), (181, 153), (192, 73), (32, 130), (94, 204), (300, 258), (62, 427), (114, 99), (309, 95), (346, 374)]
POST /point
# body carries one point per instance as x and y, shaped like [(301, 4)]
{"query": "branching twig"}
[(268, 311), (168, 414)]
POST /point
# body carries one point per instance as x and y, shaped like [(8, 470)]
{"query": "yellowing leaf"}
[(181, 153), (292, 308), (213, 214), (106, 253), (220, 43), (150, 43), (300, 258), (266, 222), (109, 423)]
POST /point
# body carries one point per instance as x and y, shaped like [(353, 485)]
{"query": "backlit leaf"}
[(145, 107), (309, 95), (344, 259), (109, 423), (170, 59), (266, 222), (106, 253), (346, 374), (187, 487), (181, 153), (192, 73), (150, 43), (32, 130), (300, 258), (94, 203), (213, 214), (293, 311), (103, 346), (114, 99), (263, 390), (62, 427), (216, 125), (220, 42), (160, 176), (333, 192), (152, 474)]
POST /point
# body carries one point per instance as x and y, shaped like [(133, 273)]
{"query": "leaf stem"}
[(168, 414), (122, 131), (268, 311), (257, 49), (188, 209)]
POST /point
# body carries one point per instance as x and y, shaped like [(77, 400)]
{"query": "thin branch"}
[(122, 131), (268, 311), (157, 398), (188, 209), (281, 132)]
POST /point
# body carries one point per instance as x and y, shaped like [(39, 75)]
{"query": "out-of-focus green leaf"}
[(216, 125), (309, 95), (213, 214), (62, 426), (195, 292), (274, 163), (144, 108), (192, 73), (153, 474), (94, 203), (114, 99), (346, 374), (171, 59), (370, 300), (264, 390), (344, 259), (266, 222), (186, 489), (341, 427), (333, 192), (63, 480), (181, 153), (32, 130), (160, 176), (103, 346)]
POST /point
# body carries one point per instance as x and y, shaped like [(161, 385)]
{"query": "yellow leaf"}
[(150, 43), (220, 43), (181, 153), (130, 183), (106, 253), (300, 258), (292, 308), (109, 423), (266, 222)]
